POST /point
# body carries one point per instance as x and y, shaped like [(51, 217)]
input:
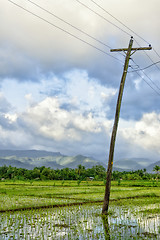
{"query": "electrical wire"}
[(80, 39), (129, 30), (152, 81), (103, 17), (71, 25), (147, 76), (141, 69), (115, 24), (148, 84), (43, 19), (156, 53), (120, 21), (119, 27), (158, 88), (148, 56)]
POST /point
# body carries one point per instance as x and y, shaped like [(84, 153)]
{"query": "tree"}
[(156, 169), (81, 171), (3, 171), (10, 172)]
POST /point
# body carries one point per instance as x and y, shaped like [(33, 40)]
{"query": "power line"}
[(114, 24), (120, 21), (141, 69), (129, 30), (156, 53), (148, 56), (152, 81), (119, 27), (43, 19), (148, 84), (126, 27), (148, 77), (80, 39), (78, 29), (103, 17)]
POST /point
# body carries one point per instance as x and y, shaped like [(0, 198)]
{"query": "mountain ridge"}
[(133, 164), (36, 158)]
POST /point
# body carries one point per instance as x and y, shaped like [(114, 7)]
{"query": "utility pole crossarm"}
[(133, 49)]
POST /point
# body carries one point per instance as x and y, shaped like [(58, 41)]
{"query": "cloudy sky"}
[(59, 85)]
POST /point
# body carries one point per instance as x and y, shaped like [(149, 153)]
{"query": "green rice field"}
[(69, 210)]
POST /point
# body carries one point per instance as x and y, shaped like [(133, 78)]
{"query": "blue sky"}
[(59, 94)]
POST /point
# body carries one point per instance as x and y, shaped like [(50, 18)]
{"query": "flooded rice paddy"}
[(82, 222)]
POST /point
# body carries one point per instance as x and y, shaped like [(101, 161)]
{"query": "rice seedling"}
[(134, 211), (79, 222)]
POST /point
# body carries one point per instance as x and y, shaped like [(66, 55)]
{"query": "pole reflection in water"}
[(106, 227)]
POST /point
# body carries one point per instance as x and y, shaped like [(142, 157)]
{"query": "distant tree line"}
[(80, 173), (43, 173)]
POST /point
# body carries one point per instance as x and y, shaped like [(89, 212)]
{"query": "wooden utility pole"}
[(128, 52)]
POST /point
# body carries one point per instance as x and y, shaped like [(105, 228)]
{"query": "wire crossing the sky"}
[(129, 30), (52, 24), (156, 53), (71, 25), (120, 21), (118, 26), (148, 57), (148, 83), (82, 40), (141, 69), (136, 71), (103, 17)]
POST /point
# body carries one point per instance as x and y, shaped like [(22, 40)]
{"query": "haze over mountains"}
[(36, 158)]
